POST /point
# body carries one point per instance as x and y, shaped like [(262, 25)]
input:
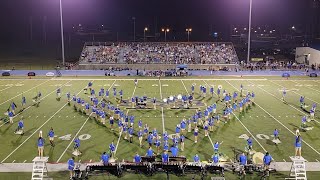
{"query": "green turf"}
[(64, 120)]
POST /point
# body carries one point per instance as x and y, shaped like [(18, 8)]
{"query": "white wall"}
[(313, 55)]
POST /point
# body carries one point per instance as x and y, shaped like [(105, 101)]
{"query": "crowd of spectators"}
[(274, 65), (165, 53)]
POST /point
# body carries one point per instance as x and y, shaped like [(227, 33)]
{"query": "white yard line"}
[(245, 126), (38, 129), (24, 92), (288, 104), (296, 92), (11, 86), (201, 121), (162, 115), (305, 86), (278, 121), (249, 132), (85, 122), (39, 100), (118, 141)]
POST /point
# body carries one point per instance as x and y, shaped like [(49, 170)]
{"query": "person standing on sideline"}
[(71, 167)]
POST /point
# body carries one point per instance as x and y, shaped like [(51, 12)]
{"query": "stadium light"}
[(188, 30), (144, 33), (165, 33), (61, 29)]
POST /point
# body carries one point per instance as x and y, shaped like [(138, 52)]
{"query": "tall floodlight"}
[(62, 39), (188, 30), (249, 32)]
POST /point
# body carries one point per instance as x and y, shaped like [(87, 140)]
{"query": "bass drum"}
[(257, 158)]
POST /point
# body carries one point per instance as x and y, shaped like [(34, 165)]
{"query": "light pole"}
[(249, 32), (62, 39), (188, 32), (144, 33), (165, 33), (134, 29)]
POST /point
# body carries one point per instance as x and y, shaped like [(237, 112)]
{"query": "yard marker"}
[(306, 86), (24, 92), (37, 129), (76, 135), (280, 123), (24, 161), (11, 86), (39, 100)]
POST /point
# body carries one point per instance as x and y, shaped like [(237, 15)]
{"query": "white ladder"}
[(39, 169), (298, 168)]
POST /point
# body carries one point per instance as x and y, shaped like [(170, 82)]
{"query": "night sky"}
[(203, 16)]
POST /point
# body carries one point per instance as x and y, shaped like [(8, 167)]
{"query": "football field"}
[(258, 121)]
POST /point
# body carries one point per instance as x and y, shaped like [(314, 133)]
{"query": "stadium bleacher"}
[(159, 53)]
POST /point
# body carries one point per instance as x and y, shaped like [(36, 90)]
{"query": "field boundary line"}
[(152, 79), (39, 101), (77, 133), (25, 92), (280, 123), (38, 128)]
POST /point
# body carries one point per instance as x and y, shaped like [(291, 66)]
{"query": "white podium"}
[(298, 168), (39, 170)]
